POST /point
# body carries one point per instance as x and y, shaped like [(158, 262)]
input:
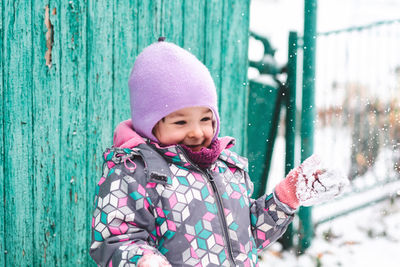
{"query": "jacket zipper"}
[(221, 208), (222, 217)]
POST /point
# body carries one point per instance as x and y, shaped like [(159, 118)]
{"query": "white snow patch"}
[(369, 237)]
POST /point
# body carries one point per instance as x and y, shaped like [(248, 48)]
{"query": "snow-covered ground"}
[(367, 237)]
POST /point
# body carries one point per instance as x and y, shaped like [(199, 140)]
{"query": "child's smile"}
[(191, 126)]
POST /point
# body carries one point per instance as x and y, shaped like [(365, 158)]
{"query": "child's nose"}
[(195, 132)]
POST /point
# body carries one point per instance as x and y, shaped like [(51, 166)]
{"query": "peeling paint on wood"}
[(46, 151), (49, 36)]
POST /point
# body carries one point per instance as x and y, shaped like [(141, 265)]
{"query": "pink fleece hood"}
[(125, 136)]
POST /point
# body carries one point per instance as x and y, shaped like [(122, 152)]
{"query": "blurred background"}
[(356, 124)]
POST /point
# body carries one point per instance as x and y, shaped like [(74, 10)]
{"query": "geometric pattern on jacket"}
[(154, 200)]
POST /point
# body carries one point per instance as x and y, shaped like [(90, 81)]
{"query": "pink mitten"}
[(310, 183)]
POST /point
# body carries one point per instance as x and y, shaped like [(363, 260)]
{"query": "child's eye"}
[(206, 119), (180, 122)]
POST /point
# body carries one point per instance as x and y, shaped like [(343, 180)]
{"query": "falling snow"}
[(357, 128)]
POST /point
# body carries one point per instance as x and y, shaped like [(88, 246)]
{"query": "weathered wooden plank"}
[(172, 21), (18, 176), (125, 50), (194, 27), (100, 82), (75, 201), (234, 70), (149, 22), (213, 37), (46, 131), (99, 95), (2, 180)]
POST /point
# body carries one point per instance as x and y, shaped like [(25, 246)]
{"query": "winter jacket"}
[(153, 199)]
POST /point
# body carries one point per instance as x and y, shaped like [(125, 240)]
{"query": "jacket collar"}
[(155, 157)]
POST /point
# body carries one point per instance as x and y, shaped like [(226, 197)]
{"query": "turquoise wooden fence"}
[(64, 70)]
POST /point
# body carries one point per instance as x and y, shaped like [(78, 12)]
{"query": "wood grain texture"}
[(18, 124), (234, 71), (172, 21), (2, 179), (75, 199), (99, 97), (213, 39), (149, 22), (46, 132), (125, 29), (193, 27)]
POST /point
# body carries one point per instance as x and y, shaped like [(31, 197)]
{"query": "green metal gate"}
[(63, 80)]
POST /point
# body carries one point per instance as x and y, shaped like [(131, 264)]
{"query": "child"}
[(172, 193)]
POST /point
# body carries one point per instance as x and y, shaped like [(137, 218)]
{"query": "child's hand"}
[(311, 183), (317, 183), (153, 260)]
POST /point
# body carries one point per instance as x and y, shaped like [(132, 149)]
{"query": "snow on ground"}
[(367, 237)]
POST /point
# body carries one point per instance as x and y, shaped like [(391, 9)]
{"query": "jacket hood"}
[(125, 136)]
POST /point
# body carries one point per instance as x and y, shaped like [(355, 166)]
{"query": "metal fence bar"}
[(308, 110), (287, 239), (359, 28)]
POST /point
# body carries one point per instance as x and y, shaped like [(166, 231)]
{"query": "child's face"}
[(191, 126)]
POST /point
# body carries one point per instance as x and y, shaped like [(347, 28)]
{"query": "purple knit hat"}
[(166, 78)]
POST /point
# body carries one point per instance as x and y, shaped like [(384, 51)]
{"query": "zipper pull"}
[(210, 176)]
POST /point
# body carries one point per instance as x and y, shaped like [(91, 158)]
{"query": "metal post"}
[(308, 110), (287, 239)]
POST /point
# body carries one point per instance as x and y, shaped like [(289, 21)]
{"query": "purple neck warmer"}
[(206, 156)]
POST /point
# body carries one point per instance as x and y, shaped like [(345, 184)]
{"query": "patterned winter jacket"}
[(154, 200)]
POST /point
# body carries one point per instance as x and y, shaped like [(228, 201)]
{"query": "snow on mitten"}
[(317, 183), (310, 183)]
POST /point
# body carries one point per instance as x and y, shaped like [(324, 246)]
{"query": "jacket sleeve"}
[(269, 218), (122, 220)]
